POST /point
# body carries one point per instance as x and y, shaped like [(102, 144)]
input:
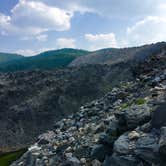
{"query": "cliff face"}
[(125, 127), (32, 101)]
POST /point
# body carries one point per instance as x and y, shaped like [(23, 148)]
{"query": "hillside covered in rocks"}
[(31, 101), (125, 127), (116, 55)]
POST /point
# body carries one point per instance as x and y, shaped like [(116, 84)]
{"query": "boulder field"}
[(126, 127)]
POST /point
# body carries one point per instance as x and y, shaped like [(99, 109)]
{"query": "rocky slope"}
[(114, 56), (31, 101), (125, 127)]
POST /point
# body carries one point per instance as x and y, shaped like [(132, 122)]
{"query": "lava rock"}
[(99, 152), (133, 116), (124, 160), (147, 148), (121, 145), (162, 143), (159, 116)]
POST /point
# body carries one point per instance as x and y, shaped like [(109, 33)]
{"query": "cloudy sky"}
[(31, 26)]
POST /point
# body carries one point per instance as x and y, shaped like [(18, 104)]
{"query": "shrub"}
[(140, 101)]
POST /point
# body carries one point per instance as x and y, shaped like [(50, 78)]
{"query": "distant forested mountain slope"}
[(5, 57), (46, 60)]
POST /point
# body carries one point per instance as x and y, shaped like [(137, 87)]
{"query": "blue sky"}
[(32, 26)]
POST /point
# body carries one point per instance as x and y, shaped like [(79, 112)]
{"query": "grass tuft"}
[(7, 159)]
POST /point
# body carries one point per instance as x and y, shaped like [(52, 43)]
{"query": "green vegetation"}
[(140, 101), (5, 57), (124, 105), (7, 159), (44, 61)]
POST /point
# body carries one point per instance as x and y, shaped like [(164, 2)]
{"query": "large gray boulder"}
[(162, 144), (124, 160), (133, 116), (147, 148), (136, 147), (99, 152), (121, 145), (159, 117)]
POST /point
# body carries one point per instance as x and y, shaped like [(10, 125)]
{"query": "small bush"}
[(140, 101), (125, 105)]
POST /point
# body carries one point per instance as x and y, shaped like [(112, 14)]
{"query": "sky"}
[(29, 27)]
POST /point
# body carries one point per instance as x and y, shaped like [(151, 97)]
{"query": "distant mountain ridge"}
[(46, 60), (69, 57), (5, 57)]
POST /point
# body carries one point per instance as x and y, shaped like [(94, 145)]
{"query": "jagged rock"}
[(156, 81), (123, 160), (96, 163), (147, 148), (146, 127), (73, 161), (43, 142), (133, 135), (121, 145), (144, 147), (111, 134), (100, 152), (107, 139), (159, 116), (133, 116), (162, 143), (83, 161)]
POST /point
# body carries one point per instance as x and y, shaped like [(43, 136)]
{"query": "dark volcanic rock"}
[(147, 148), (162, 143), (126, 160), (32, 101), (133, 116), (115, 130), (100, 151), (159, 116), (136, 147)]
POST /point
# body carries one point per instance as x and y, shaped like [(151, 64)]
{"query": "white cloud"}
[(72, 5), (42, 37), (26, 52), (4, 20), (38, 14), (65, 43), (60, 43), (100, 41), (111, 8), (31, 18), (149, 30), (29, 52)]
